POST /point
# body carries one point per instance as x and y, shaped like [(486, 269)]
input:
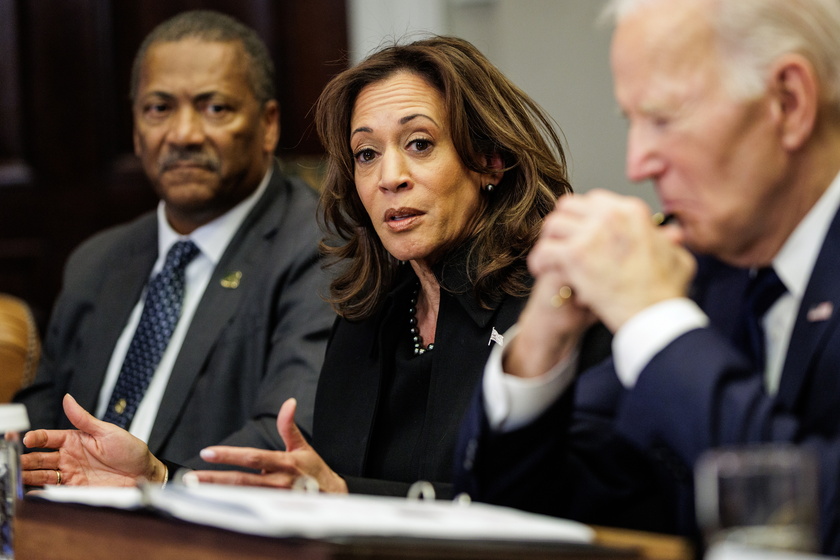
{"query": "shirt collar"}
[(212, 238), (796, 259), (454, 283)]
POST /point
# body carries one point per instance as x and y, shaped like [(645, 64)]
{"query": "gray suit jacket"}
[(247, 350)]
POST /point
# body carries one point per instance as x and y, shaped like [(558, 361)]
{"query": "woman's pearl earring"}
[(488, 188)]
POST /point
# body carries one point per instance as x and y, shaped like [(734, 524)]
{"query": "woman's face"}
[(418, 193)]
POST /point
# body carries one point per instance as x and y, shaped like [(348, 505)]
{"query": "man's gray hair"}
[(752, 34), (211, 26)]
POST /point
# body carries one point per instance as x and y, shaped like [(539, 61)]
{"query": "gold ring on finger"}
[(564, 294)]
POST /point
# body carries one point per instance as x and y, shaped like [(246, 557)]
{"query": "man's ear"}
[(793, 82), (271, 123)]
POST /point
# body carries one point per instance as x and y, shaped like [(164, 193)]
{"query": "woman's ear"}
[(493, 161)]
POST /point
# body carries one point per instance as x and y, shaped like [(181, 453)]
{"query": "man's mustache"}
[(179, 157)]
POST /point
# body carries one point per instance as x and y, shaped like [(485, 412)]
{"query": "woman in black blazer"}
[(440, 171)]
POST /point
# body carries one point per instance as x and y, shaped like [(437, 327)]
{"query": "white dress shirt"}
[(212, 239), (511, 402)]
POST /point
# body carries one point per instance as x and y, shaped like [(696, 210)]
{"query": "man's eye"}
[(216, 109), (156, 108), (660, 121)]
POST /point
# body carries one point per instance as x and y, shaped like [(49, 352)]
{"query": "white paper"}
[(281, 513), (121, 498)]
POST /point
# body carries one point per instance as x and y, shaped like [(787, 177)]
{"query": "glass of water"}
[(762, 496)]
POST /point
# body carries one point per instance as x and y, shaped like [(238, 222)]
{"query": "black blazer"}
[(247, 350), (358, 359)]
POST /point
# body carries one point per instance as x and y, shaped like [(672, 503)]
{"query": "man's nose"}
[(644, 156), (187, 127)]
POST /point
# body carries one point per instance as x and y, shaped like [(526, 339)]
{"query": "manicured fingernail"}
[(207, 454), (190, 479)]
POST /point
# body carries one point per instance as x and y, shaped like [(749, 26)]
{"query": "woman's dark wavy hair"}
[(487, 115)]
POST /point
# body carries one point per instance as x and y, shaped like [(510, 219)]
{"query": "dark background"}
[(67, 168)]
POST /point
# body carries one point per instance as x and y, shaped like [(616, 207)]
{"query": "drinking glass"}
[(759, 496)]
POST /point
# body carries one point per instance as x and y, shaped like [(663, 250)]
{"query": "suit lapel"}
[(245, 255), (457, 366), (120, 292), (817, 317), (369, 388), (716, 286)]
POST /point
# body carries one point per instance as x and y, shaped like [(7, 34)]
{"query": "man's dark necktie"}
[(164, 296), (762, 292)]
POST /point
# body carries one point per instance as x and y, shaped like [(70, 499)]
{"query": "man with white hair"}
[(734, 114)]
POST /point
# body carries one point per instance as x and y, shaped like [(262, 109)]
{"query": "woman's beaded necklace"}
[(416, 339)]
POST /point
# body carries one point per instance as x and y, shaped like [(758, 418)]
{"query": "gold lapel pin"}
[(231, 280)]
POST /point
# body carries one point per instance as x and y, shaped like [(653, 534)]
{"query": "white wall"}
[(373, 21), (553, 49)]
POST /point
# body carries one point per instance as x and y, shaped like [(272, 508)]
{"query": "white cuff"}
[(511, 402), (648, 332)]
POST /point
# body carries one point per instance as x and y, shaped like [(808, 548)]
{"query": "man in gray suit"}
[(252, 327)]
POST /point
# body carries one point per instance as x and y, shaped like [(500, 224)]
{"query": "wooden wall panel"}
[(66, 164), (13, 168), (10, 92)]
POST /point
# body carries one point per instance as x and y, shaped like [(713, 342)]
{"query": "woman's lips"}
[(401, 219)]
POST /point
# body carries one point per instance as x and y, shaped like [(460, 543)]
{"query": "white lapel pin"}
[(820, 312), (496, 337)]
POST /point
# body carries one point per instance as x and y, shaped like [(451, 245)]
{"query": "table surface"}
[(57, 531)]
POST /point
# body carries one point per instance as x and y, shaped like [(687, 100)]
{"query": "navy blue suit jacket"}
[(698, 393)]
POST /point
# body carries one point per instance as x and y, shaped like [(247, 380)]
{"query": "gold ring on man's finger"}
[(57, 477)]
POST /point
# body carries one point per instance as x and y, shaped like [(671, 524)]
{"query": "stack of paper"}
[(281, 513)]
